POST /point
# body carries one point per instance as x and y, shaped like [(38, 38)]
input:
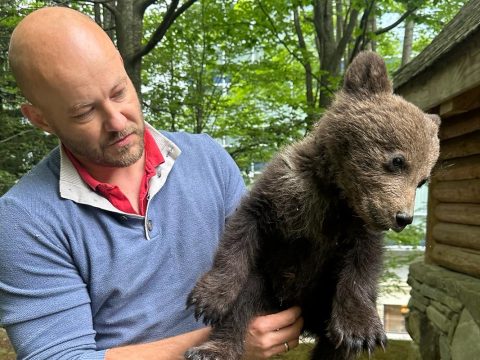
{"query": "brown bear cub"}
[(310, 232)]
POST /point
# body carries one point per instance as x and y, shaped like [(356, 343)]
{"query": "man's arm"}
[(166, 349), (266, 336)]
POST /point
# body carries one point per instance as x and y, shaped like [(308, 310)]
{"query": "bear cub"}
[(310, 231)]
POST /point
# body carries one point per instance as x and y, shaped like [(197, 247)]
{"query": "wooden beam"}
[(467, 101), (456, 73), (462, 191), (460, 125), (431, 221), (457, 259), (462, 236), (460, 146), (458, 169), (467, 214)]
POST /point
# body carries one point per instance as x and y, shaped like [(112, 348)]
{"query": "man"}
[(102, 241)]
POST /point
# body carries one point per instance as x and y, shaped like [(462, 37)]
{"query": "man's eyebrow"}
[(122, 81), (76, 107)]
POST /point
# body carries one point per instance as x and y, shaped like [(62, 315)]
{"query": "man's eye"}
[(119, 94), (84, 114)]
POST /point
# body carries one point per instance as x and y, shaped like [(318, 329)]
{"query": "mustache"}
[(116, 136)]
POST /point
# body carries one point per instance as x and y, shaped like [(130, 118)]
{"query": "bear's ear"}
[(367, 75), (435, 118)]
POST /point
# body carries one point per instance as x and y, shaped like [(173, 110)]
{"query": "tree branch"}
[(359, 41), (396, 23), (144, 4), (15, 135), (171, 14), (105, 3)]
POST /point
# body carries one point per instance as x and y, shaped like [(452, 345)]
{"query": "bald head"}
[(51, 40)]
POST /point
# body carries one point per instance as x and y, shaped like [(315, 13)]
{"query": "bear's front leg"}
[(226, 341), (215, 293), (355, 325)]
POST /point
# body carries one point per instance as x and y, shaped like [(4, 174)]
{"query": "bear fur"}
[(310, 231)]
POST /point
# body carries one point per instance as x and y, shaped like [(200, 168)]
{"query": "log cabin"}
[(444, 308)]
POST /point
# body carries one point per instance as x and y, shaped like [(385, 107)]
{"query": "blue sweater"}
[(76, 279)]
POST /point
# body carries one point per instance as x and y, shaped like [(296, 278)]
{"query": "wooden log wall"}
[(453, 229)]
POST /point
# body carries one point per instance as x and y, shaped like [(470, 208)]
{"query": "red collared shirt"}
[(153, 158)]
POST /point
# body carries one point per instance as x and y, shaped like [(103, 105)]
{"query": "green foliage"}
[(21, 146), (395, 350), (235, 70), (217, 73), (412, 235)]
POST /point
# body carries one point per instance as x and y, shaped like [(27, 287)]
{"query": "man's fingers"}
[(283, 347), (288, 333), (278, 320)]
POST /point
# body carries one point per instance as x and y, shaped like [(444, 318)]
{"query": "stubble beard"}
[(106, 154)]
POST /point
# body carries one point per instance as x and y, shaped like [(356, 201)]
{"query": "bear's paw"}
[(212, 351), (356, 336), (212, 299)]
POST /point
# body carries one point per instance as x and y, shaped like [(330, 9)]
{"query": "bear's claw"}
[(210, 304), (357, 337)]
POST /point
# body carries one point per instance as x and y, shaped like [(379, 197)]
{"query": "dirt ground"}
[(396, 350), (6, 351)]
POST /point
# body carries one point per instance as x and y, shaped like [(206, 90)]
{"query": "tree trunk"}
[(339, 17), (129, 26), (408, 40), (308, 70), (109, 23), (372, 27), (322, 12), (330, 51)]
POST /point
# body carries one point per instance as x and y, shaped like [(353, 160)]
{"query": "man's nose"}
[(114, 119)]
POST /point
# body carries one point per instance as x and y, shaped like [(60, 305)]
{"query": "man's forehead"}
[(49, 41)]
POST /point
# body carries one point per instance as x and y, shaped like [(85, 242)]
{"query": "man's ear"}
[(35, 116)]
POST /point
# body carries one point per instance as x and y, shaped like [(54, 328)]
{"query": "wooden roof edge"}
[(458, 30)]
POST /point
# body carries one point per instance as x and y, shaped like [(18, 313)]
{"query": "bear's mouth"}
[(398, 228), (374, 220)]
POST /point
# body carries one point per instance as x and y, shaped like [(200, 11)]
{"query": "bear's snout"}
[(402, 219)]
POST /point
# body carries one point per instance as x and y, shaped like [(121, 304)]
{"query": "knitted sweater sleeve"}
[(44, 303)]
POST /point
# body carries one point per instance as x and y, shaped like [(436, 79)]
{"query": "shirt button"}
[(149, 225)]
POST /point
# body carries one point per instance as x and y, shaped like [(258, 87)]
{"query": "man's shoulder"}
[(188, 140)]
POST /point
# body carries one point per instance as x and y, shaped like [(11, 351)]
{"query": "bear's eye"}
[(421, 183), (397, 163)]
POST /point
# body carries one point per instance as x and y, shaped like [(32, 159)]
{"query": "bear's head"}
[(379, 146)]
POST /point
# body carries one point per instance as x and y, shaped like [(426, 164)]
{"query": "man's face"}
[(92, 106)]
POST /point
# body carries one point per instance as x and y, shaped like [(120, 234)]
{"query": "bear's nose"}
[(403, 219)]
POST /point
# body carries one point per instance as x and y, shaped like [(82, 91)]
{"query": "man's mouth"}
[(124, 140)]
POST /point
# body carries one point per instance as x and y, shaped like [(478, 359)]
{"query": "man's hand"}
[(268, 335)]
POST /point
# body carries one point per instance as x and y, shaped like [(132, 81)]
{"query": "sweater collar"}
[(72, 186)]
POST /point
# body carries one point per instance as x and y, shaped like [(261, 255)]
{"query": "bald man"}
[(102, 241)]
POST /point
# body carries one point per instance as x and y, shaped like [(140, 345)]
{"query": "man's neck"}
[(128, 179)]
